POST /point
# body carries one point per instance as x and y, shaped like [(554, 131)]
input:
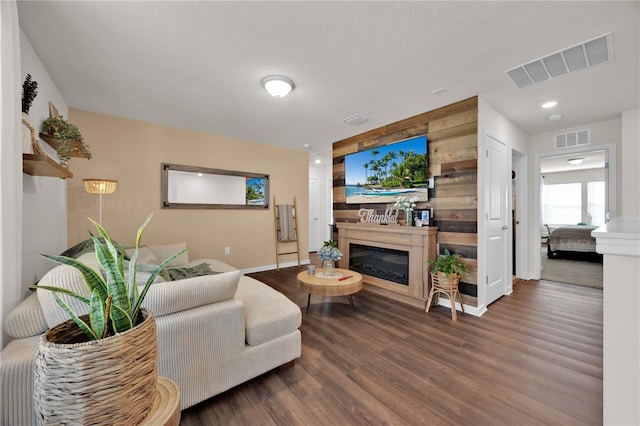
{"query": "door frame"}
[(610, 176), (519, 166)]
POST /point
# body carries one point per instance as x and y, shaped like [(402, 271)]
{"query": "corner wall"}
[(44, 218), (131, 152)]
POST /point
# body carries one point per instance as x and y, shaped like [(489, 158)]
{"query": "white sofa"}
[(214, 332)]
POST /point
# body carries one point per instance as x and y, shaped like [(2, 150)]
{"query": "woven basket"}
[(111, 381)]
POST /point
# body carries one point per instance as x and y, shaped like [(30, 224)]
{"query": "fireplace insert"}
[(383, 263)]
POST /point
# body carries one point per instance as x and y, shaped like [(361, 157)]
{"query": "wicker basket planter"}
[(109, 381)]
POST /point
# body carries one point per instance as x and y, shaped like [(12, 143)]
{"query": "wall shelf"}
[(43, 165), (54, 144)]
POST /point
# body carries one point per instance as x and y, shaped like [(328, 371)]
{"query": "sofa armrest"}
[(175, 296), (26, 319), (196, 347)]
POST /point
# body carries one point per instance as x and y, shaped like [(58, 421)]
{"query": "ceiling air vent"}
[(573, 139), (583, 55), (356, 120)]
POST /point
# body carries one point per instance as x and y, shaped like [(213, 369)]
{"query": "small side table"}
[(165, 410), (312, 284)]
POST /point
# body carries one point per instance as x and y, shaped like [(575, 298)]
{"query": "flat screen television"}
[(381, 174)]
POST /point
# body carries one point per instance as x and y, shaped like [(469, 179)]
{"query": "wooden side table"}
[(165, 410), (312, 284)]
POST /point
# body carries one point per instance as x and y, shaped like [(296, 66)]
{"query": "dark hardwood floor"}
[(534, 358)]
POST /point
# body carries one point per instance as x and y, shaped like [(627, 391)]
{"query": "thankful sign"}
[(368, 216)]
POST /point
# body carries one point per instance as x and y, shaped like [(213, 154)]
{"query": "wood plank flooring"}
[(534, 358)]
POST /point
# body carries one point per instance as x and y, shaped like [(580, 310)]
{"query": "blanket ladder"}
[(285, 219)]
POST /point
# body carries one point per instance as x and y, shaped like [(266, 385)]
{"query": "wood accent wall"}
[(452, 158)]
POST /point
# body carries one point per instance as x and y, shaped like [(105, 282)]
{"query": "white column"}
[(619, 242)]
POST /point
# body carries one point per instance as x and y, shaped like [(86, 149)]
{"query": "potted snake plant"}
[(102, 367)]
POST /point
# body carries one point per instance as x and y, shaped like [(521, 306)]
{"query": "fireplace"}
[(384, 263), (392, 259)]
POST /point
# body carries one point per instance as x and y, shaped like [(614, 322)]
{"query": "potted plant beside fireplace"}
[(445, 278)]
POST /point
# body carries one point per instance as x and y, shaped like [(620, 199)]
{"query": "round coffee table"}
[(324, 286)]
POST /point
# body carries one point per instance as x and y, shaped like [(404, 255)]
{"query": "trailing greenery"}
[(68, 137), (115, 301), (29, 92), (449, 264)]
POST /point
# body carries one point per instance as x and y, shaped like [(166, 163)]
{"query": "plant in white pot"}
[(100, 368), (445, 278)]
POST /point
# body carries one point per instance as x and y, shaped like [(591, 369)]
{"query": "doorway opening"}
[(574, 193)]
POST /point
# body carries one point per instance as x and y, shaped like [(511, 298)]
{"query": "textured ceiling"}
[(198, 65)]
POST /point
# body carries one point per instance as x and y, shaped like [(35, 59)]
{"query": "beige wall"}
[(132, 151)]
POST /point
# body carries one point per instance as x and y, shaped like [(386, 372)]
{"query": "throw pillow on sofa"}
[(165, 251)]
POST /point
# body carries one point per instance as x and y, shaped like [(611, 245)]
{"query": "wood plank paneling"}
[(452, 160)]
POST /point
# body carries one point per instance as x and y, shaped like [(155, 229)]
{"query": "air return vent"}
[(356, 120), (587, 54), (573, 139)]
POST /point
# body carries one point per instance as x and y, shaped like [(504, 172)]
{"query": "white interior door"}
[(314, 214), (496, 219)]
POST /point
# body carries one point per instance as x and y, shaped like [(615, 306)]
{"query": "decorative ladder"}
[(283, 245)]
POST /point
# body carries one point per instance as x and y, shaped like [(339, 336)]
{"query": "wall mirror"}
[(191, 187)]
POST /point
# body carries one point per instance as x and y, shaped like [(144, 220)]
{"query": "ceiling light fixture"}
[(555, 117), (549, 104), (575, 161), (277, 85)]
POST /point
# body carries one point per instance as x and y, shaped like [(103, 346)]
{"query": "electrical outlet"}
[(227, 250)]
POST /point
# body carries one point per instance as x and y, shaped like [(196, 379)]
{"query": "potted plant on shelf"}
[(65, 138), (100, 368), (445, 278), (329, 253), (29, 92)]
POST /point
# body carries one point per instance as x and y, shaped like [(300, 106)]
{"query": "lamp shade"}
[(277, 86), (100, 186)]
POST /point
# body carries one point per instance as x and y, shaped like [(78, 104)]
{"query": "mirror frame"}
[(164, 183)]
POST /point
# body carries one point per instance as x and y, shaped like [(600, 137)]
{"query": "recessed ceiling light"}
[(318, 161), (555, 117), (277, 85), (549, 104)]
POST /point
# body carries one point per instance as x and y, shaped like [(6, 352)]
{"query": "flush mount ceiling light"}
[(575, 161), (555, 117), (277, 85), (549, 104)]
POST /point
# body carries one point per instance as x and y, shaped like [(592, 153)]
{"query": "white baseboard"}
[(273, 266), (471, 310)]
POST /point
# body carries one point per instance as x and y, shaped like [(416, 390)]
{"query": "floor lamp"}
[(100, 186)]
